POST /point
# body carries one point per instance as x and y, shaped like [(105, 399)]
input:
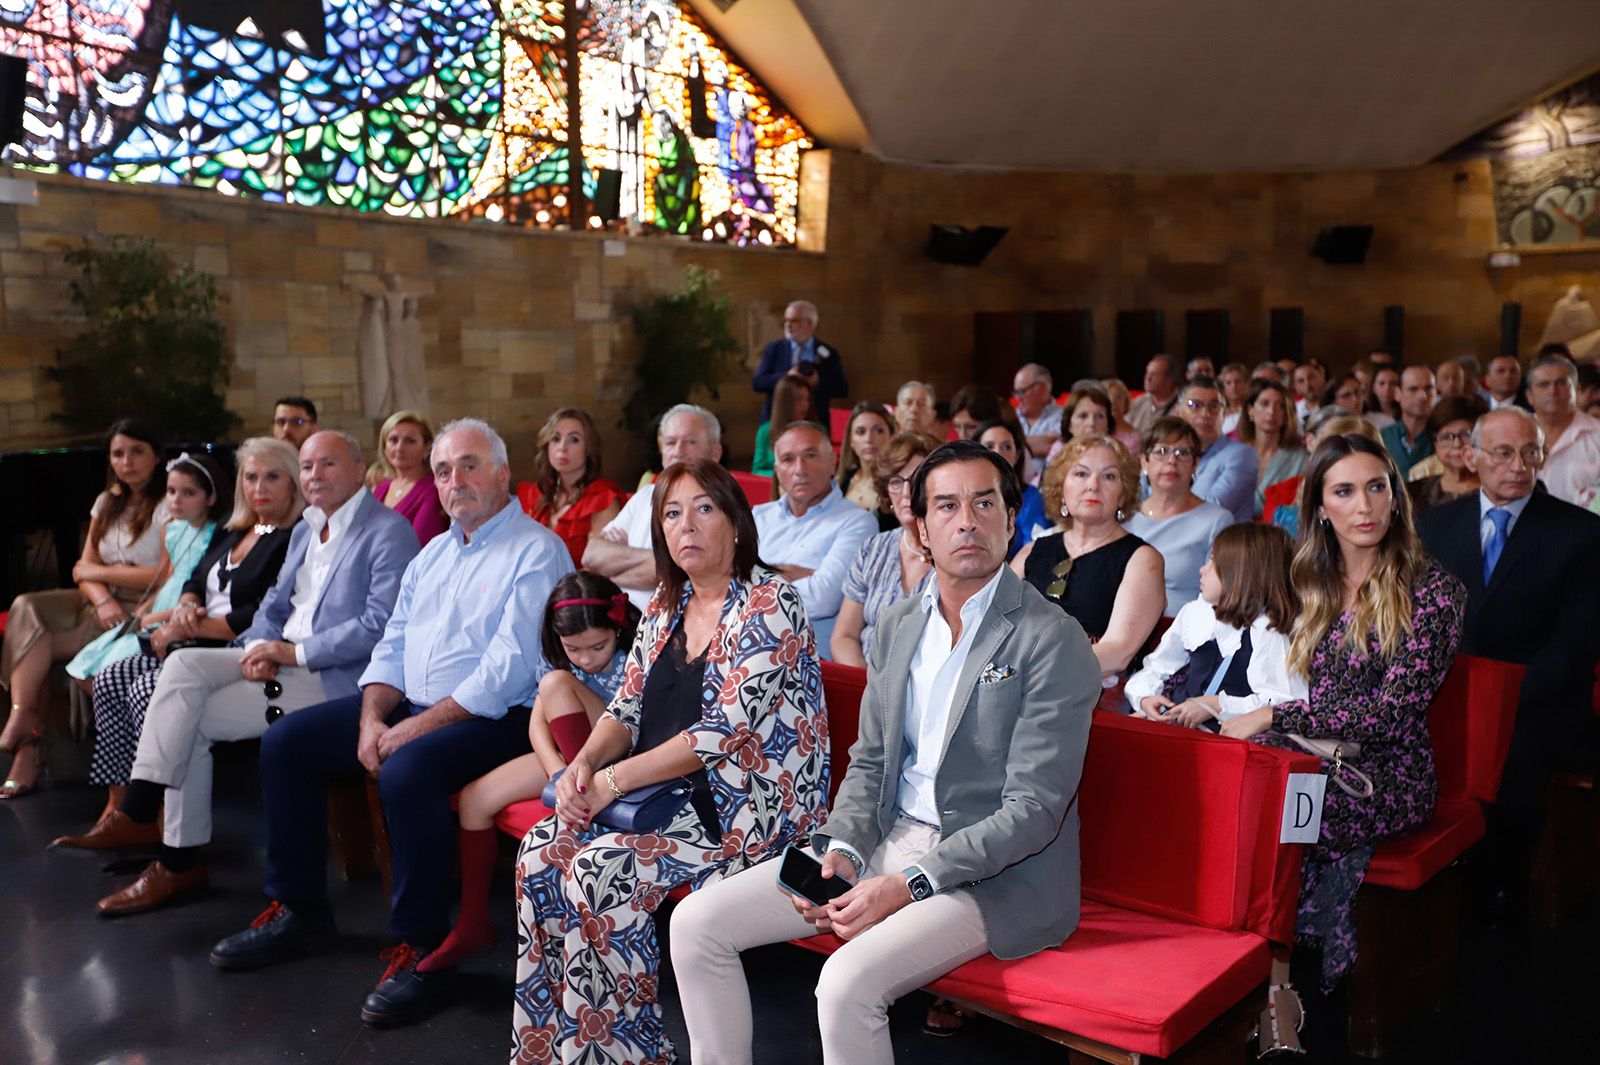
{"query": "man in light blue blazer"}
[(309, 642), (957, 821)]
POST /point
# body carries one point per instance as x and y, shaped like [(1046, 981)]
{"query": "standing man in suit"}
[(309, 642), (957, 822), (802, 352), (1531, 564)]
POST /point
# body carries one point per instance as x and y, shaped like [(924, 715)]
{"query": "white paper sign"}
[(1302, 808)]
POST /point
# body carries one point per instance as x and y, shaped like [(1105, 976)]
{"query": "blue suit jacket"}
[(775, 362), (355, 604)]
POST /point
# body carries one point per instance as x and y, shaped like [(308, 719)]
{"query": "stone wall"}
[(520, 322)]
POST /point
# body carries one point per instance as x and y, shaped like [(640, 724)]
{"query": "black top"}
[(1092, 582), (1428, 492), (248, 582), (673, 693), (1195, 678)]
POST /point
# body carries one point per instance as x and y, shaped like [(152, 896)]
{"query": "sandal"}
[(944, 1018), (14, 788), (1279, 1027)]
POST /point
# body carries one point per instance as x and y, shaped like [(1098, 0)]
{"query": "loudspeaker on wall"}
[(961, 246), (1510, 329), (1394, 331), (1342, 244), (1286, 333), (13, 94), (607, 193)]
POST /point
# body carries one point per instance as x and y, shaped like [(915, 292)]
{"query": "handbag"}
[(1350, 780), (640, 811)]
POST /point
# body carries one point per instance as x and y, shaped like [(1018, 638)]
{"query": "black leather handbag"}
[(639, 811)]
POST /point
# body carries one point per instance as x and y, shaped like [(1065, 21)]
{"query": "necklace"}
[(262, 529)]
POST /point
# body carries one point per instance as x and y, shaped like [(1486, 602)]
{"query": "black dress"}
[(1091, 584)]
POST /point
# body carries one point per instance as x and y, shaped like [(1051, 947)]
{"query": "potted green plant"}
[(687, 344)]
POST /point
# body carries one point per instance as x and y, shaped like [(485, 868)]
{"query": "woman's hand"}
[(1246, 725), (110, 612), (161, 639), (1154, 707), (84, 570), (576, 794), (1192, 713), (186, 619)]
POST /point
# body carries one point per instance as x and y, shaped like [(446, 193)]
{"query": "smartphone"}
[(800, 874)]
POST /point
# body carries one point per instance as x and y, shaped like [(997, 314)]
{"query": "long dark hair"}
[(727, 497), (121, 496), (849, 461), (545, 476), (1252, 564), (582, 601), (203, 470)]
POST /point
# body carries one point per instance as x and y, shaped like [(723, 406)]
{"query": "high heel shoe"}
[(14, 788)]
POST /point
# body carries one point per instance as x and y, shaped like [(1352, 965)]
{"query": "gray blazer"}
[(356, 602), (1007, 784)]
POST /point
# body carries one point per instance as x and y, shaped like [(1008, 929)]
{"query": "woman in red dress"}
[(568, 495)]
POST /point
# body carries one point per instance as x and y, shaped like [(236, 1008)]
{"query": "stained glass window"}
[(420, 108)]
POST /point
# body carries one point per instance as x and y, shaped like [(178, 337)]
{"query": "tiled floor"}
[(76, 989)]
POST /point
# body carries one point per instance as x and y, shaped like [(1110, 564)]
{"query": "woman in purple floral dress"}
[(723, 688), (1377, 632)]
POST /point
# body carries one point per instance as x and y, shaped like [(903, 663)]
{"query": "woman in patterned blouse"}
[(722, 688), (1377, 632)]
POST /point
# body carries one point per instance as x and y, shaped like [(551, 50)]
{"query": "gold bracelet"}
[(611, 782)]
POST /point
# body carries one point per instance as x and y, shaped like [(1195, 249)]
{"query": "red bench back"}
[(1183, 824), (842, 687), (1470, 723), (757, 488)]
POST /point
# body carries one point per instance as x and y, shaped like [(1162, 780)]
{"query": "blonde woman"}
[(1378, 627), (401, 478)]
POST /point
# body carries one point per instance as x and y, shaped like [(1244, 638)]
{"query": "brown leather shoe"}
[(113, 832), (157, 886)]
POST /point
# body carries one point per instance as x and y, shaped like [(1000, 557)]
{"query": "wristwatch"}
[(918, 884)]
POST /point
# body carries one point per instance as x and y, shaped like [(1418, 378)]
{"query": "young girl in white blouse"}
[(1226, 653)]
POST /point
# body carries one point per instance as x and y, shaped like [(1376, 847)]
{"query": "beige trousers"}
[(858, 983)]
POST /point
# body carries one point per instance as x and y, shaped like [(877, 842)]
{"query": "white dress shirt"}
[(826, 540), (1572, 463), (634, 522), (313, 575), (1195, 625)]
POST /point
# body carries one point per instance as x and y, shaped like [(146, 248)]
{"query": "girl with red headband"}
[(587, 630)]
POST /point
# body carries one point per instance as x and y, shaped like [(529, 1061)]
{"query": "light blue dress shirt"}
[(826, 540), (468, 618), (1226, 476), (1486, 526)]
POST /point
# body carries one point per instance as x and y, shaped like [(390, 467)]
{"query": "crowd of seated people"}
[(419, 622)]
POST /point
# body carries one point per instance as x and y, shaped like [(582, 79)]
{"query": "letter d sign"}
[(1302, 808)]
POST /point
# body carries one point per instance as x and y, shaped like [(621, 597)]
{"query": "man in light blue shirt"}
[(812, 533), (443, 701), (1227, 471)]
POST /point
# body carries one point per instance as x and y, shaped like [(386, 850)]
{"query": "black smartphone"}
[(800, 874)]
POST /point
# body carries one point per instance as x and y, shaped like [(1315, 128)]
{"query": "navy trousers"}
[(303, 751)]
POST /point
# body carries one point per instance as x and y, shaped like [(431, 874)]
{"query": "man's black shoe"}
[(278, 933), (403, 994)]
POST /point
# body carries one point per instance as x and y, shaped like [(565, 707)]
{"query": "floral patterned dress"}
[(587, 956), (1383, 704)]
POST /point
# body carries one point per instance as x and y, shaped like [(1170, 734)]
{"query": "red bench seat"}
[(1407, 863)]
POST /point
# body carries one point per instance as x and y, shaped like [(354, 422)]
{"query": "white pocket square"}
[(993, 674)]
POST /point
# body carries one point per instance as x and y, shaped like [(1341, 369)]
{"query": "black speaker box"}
[(1511, 329), (13, 92), (607, 193), (961, 246), (1286, 333), (1394, 331), (1342, 245)]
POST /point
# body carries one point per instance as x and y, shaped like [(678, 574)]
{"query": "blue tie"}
[(1497, 541)]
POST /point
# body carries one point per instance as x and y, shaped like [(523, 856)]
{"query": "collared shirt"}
[(1048, 423), (1143, 411), (1486, 524), (634, 523), (469, 614), (806, 352), (1406, 454), (312, 577), (930, 689), (1572, 463), (1226, 475), (1195, 625), (826, 539)]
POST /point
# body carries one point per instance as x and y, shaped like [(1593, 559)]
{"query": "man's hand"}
[(395, 737), (868, 903), (834, 864), (278, 652), (1246, 725), (372, 731), (258, 670)]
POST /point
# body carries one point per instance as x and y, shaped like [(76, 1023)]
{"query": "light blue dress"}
[(607, 683), (1184, 541), (185, 545)]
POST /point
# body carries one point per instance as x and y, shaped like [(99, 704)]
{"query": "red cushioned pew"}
[(1185, 889)]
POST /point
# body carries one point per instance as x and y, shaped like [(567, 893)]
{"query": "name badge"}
[(1302, 808)]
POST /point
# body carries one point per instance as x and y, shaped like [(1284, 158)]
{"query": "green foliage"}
[(151, 345), (688, 344)]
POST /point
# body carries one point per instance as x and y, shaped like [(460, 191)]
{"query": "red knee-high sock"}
[(571, 732), (473, 930)]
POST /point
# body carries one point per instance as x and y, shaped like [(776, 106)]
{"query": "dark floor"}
[(76, 989)]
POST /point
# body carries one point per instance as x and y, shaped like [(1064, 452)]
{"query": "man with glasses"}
[(294, 420), (1531, 565), (1571, 437), (309, 642), (1227, 471), (801, 352)]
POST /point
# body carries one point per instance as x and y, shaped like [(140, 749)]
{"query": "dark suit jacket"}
[(1542, 605), (831, 384), (250, 581), (1007, 784)]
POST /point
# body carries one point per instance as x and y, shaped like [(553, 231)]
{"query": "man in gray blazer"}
[(957, 822), (309, 642)]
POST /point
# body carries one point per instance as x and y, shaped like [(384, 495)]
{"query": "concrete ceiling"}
[(1199, 86)]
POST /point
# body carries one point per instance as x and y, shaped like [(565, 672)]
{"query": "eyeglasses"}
[(284, 423), (272, 689), (1213, 406), (899, 484), (1452, 439), (1025, 389), (1176, 454), (1532, 455)]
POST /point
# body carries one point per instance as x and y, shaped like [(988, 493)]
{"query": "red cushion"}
[(1133, 980), (1279, 494), (757, 488), (1409, 862), (838, 422), (842, 687), (1470, 724), (5, 616), (516, 819)]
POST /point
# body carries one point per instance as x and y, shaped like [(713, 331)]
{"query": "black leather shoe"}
[(278, 933), (403, 994)]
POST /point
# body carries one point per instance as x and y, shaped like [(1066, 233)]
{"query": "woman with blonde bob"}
[(402, 477), (1377, 631)]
